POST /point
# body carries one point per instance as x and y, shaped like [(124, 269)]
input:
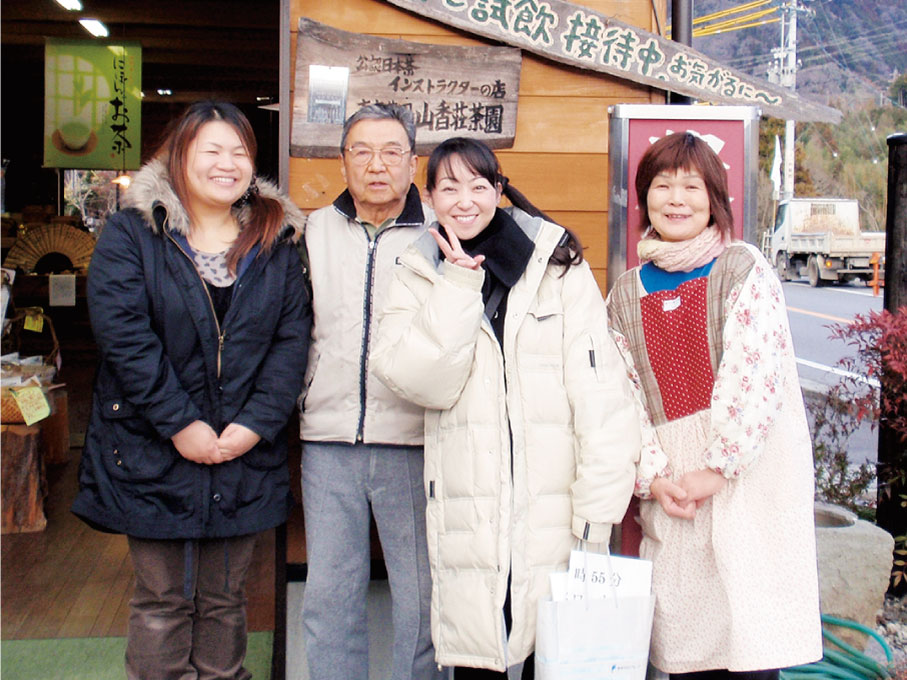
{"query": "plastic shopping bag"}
[(605, 637)]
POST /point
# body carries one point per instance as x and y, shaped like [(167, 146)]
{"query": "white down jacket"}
[(527, 446)]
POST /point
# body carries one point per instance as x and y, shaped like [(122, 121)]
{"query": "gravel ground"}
[(893, 627)]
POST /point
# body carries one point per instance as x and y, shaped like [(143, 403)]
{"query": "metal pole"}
[(682, 21), (681, 32), (283, 120), (890, 514), (789, 79)]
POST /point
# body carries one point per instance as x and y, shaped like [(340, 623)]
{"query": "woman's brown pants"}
[(187, 618)]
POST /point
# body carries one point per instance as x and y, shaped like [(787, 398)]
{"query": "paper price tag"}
[(32, 402), (61, 290), (595, 576), (33, 322)]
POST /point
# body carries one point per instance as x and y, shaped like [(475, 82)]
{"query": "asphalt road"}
[(811, 312)]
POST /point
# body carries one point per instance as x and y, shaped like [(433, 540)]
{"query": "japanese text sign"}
[(451, 90)]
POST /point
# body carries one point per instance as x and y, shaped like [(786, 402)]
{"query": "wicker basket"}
[(9, 409), (16, 324)]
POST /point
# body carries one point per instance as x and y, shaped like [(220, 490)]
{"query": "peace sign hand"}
[(453, 251)]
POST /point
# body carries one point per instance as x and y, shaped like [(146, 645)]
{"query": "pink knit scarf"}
[(681, 256)]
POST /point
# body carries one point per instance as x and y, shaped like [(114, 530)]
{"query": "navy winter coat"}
[(163, 364)]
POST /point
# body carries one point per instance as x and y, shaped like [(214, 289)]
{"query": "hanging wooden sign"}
[(579, 36), (451, 90)]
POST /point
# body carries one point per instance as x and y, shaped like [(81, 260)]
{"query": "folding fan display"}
[(43, 239)]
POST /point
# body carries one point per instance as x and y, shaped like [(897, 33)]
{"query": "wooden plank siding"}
[(559, 159)]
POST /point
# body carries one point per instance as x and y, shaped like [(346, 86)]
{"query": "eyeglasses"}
[(363, 155)]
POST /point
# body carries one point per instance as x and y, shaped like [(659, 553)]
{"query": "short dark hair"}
[(382, 112), (686, 151), (474, 154)]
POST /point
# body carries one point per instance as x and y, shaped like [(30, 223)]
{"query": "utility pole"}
[(784, 72), (681, 32)]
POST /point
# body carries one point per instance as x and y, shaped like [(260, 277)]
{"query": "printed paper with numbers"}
[(598, 576)]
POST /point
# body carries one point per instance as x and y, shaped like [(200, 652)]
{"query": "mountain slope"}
[(845, 47)]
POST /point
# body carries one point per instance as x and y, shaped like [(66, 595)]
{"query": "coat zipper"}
[(220, 332), (366, 330)]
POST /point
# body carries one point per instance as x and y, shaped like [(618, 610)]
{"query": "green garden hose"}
[(845, 662)]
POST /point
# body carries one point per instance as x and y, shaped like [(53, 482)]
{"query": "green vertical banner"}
[(92, 104)]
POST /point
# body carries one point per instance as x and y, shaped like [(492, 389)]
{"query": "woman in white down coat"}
[(497, 327)]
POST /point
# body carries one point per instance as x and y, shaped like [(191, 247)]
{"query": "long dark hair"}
[(267, 214), (686, 151), (476, 155)]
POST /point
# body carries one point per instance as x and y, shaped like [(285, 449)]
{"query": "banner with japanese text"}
[(92, 104), (579, 36)]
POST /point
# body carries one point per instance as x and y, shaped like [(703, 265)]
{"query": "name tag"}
[(670, 305)]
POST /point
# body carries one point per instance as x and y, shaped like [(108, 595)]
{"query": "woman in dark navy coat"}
[(202, 321)]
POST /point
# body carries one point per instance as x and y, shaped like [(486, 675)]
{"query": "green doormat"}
[(98, 658)]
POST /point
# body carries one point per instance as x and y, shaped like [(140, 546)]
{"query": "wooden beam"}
[(237, 96), (206, 13), (240, 40)]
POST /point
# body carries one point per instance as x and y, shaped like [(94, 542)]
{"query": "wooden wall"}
[(559, 159)]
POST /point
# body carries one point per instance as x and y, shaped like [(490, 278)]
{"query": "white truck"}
[(820, 238)]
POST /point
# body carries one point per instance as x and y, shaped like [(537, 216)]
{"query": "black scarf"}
[(507, 250)]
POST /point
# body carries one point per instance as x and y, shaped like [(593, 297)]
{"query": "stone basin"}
[(831, 516), (854, 558)]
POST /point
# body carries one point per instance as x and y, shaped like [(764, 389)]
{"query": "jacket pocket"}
[(132, 449), (547, 309), (542, 331)]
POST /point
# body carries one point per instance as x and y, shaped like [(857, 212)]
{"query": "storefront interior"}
[(66, 580)]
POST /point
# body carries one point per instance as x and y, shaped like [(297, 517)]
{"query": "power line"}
[(814, 54), (736, 26), (886, 34), (724, 13), (851, 46)]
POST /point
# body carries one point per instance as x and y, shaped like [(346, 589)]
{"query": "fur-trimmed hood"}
[(151, 190)]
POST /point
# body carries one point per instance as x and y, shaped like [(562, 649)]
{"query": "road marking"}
[(820, 315), (862, 292), (839, 371)]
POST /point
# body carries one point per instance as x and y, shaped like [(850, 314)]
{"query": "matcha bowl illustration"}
[(77, 102), (75, 134)]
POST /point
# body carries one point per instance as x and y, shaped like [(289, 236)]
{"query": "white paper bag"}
[(598, 624), (594, 639)]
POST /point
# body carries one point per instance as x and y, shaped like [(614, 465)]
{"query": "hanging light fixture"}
[(71, 5), (123, 180), (95, 27)]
